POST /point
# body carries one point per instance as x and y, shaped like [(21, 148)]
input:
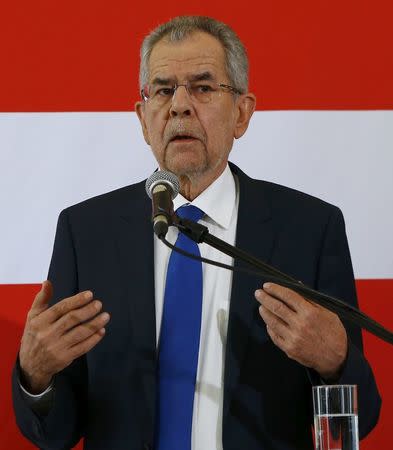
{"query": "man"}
[(110, 377)]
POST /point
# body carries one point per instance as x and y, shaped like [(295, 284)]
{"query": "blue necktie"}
[(179, 343)]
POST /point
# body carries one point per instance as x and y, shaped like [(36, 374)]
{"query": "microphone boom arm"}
[(200, 234)]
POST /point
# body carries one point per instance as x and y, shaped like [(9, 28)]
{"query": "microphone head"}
[(162, 177)]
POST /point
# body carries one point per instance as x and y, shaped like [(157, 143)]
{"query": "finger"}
[(85, 330), (276, 338), (274, 323), (277, 307), (291, 298), (41, 300), (66, 305), (316, 305), (76, 316), (83, 347)]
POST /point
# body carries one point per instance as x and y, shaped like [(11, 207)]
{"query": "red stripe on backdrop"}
[(308, 54), (375, 298)]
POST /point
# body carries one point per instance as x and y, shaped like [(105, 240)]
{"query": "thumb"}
[(42, 298)]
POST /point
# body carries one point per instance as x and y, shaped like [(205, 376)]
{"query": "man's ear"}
[(140, 111), (245, 107)]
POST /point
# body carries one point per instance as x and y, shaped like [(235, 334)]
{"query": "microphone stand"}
[(200, 234)]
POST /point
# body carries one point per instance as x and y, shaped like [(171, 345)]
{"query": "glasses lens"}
[(157, 94), (203, 91)]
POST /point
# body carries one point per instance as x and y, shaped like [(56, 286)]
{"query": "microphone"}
[(162, 187)]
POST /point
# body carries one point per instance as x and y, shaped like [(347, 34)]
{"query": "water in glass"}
[(336, 432)]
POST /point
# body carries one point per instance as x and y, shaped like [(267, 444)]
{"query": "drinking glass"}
[(336, 417)]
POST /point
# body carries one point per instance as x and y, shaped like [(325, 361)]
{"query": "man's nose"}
[(181, 102)]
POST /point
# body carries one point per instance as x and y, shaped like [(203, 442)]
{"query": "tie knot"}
[(190, 212)]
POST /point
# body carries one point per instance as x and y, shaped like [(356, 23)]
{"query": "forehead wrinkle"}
[(198, 76), (163, 72), (165, 62)]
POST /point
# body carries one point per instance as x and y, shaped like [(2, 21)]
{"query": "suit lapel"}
[(136, 269), (255, 235)]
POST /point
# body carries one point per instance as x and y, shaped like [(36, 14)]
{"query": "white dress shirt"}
[(220, 204)]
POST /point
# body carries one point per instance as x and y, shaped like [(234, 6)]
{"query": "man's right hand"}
[(54, 336)]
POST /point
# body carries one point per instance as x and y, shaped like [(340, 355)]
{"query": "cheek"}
[(155, 131), (219, 134)]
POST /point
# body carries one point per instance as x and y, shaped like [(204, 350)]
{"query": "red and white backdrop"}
[(323, 75)]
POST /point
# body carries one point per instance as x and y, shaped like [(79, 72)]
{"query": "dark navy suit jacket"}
[(108, 396)]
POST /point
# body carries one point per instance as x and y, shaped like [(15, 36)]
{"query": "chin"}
[(183, 166)]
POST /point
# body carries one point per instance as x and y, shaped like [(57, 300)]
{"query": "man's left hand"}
[(305, 331)]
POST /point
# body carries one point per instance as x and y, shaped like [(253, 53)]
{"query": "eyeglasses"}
[(199, 91)]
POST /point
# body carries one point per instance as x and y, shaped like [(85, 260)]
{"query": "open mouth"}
[(180, 138)]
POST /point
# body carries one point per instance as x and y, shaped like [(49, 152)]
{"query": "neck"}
[(193, 185)]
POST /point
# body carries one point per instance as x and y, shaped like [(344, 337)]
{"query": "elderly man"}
[(176, 355)]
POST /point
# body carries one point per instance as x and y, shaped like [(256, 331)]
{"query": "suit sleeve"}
[(335, 277), (62, 425)]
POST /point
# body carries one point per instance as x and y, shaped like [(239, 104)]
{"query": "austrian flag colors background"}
[(323, 75)]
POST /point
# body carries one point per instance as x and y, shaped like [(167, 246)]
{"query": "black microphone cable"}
[(341, 308)]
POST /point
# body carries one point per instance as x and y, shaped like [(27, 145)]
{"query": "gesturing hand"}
[(306, 332), (54, 336)]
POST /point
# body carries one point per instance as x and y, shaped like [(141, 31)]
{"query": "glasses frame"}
[(230, 88)]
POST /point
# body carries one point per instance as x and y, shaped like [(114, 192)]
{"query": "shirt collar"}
[(217, 201)]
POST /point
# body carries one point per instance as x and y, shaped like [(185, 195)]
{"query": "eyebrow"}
[(163, 81), (203, 76)]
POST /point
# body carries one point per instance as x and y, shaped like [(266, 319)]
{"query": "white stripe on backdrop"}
[(51, 160)]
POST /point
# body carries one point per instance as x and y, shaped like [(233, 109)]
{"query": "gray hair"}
[(181, 27)]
